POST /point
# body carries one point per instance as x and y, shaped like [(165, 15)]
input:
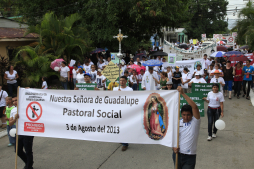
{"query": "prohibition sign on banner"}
[(230, 39), (36, 108)]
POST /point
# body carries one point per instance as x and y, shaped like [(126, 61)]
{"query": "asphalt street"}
[(232, 149)]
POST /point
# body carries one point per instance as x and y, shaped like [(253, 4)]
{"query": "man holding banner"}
[(188, 134)]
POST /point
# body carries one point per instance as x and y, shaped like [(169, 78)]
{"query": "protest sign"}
[(86, 86), (202, 88), (111, 71), (190, 64), (107, 116), (172, 58), (114, 58), (197, 98)]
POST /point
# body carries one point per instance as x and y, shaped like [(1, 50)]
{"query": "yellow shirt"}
[(111, 86)]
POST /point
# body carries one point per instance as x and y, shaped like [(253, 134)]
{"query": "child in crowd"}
[(44, 83), (206, 76), (7, 114)]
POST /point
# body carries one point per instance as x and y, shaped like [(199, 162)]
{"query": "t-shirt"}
[(200, 80), (134, 81), (186, 76), (220, 79), (74, 73), (201, 72), (13, 76), (87, 68), (123, 89), (177, 75), (140, 77), (80, 78), (64, 71), (13, 112), (188, 136), (99, 80), (93, 75), (8, 113), (100, 65), (215, 99), (45, 85), (3, 95), (91, 63), (248, 70)]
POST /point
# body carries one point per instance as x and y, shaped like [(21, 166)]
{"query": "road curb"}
[(3, 133)]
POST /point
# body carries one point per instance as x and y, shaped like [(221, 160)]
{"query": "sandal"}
[(248, 98)]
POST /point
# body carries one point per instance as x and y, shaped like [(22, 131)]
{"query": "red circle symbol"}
[(34, 111), (231, 39)]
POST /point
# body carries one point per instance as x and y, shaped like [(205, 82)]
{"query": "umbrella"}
[(56, 63), (244, 47), (237, 58), (159, 53), (134, 66), (184, 46), (217, 54), (233, 53), (98, 50), (221, 42), (221, 48), (153, 62)]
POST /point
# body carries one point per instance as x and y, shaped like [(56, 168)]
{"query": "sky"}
[(232, 5)]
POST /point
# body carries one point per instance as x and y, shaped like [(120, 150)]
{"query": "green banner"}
[(197, 98), (86, 86), (202, 88)]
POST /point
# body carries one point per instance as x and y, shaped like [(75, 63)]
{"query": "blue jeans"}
[(12, 140), (228, 85), (175, 85), (135, 87), (125, 144), (74, 82), (185, 161), (11, 87), (64, 84)]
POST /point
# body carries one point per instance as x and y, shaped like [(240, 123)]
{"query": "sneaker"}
[(9, 145), (209, 138), (214, 135), (124, 148)]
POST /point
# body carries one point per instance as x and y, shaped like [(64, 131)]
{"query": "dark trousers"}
[(135, 87), (26, 142), (71, 85), (213, 115), (248, 89), (237, 87), (125, 144), (11, 88), (185, 161), (175, 85)]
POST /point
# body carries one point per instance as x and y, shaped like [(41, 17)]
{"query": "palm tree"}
[(61, 37), (34, 66), (245, 26)]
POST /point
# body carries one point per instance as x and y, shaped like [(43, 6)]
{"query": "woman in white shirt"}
[(93, 74), (197, 79), (64, 75), (218, 79), (134, 80), (74, 74), (100, 64), (80, 76), (11, 76), (186, 78), (215, 101)]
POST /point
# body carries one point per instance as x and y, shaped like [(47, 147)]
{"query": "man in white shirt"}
[(188, 134), (87, 66), (100, 79), (123, 87), (148, 82), (197, 79), (136, 62), (205, 62)]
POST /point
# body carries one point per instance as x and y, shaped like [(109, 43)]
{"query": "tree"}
[(34, 66), (208, 17), (245, 26), (61, 37), (139, 19)]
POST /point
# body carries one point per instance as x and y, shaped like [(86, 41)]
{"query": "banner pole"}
[(178, 123), (17, 136)]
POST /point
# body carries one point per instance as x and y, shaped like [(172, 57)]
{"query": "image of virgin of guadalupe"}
[(155, 119), (93, 76)]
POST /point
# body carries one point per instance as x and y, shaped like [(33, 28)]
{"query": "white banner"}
[(147, 117), (190, 64)]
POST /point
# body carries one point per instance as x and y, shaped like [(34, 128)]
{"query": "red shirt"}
[(238, 72)]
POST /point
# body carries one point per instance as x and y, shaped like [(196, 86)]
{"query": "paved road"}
[(232, 149)]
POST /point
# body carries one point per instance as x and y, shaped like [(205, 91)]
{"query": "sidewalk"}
[(3, 132)]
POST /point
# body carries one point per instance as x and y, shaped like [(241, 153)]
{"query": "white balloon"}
[(12, 132), (220, 124), (56, 69)]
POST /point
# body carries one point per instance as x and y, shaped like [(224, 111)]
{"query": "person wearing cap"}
[(100, 79), (148, 81), (215, 101), (185, 79), (169, 85), (198, 70), (197, 79), (218, 79), (177, 78)]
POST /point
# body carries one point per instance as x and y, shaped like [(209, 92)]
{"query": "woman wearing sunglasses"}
[(218, 79), (215, 101)]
